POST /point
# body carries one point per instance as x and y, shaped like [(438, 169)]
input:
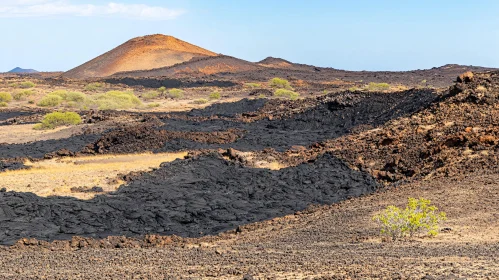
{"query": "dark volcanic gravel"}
[(229, 109), (191, 197), (328, 120), (41, 148)]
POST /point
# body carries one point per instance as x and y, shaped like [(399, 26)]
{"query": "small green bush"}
[(280, 83), (27, 84), (353, 89), (176, 93), (261, 96), (215, 95), (50, 101), (153, 105), (252, 85), (378, 86), (284, 93), (200, 101), (150, 95), (5, 97), (53, 120), (74, 96), (22, 94), (114, 100), (419, 217), (3, 104), (162, 90), (61, 93), (93, 86)]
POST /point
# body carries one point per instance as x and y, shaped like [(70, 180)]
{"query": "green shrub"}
[(22, 94), (215, 95), (378, 86), (284, 93), (353, 89), (162, 90), (176, 93), (252, 85), (27, 84), (280, 83), (114, 100), (200, 101), (5, 97), (419, 217), (150, 95), (50, 101), (74, 96), (61, 93), (94, 86), (53, 120), (153, 105), (261, 96), (3, 104)]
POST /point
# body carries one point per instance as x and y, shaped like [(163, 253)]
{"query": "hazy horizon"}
[(58, 35)]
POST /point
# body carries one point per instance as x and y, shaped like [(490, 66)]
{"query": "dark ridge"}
[(229, 109), (189, 198), (41, 148), (169, 82)]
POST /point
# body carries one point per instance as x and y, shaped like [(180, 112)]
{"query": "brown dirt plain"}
[(328, 242)]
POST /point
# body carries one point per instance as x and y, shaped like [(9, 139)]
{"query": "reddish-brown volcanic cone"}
[(141, 53)]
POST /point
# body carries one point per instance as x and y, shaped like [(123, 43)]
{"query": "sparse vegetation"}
[(378, 86), (3, 104), (215, 95), (53, 120), (176, 93), (285, 93), (353, 89), (115, 100), (27, 84), (261, 95), (61, 93), (150, 95), (94, 86), (419, 217), (5, 97), (50, 101), (74, 96), (162, 90), (252, 85), (22, 94), (153, 105), (200, 101), (280, 83)]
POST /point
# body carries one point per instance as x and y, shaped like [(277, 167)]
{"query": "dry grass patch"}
[(56, 177)]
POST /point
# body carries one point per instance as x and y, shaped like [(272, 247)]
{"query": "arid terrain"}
[(189, 164)]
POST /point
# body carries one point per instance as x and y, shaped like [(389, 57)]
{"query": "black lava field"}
[(206, 194)]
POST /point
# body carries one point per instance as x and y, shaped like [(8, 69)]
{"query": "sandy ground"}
[(329, 242), (57, 176)]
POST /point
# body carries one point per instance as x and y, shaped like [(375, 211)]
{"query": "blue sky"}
[(52, 35)]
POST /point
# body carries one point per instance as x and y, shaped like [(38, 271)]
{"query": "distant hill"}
[(19, 70), (197, 67), (139, 54)]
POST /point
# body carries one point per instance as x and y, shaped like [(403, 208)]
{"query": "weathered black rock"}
[(193, 197)]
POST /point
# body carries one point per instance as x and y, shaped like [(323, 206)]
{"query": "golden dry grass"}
[(58, 176)]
